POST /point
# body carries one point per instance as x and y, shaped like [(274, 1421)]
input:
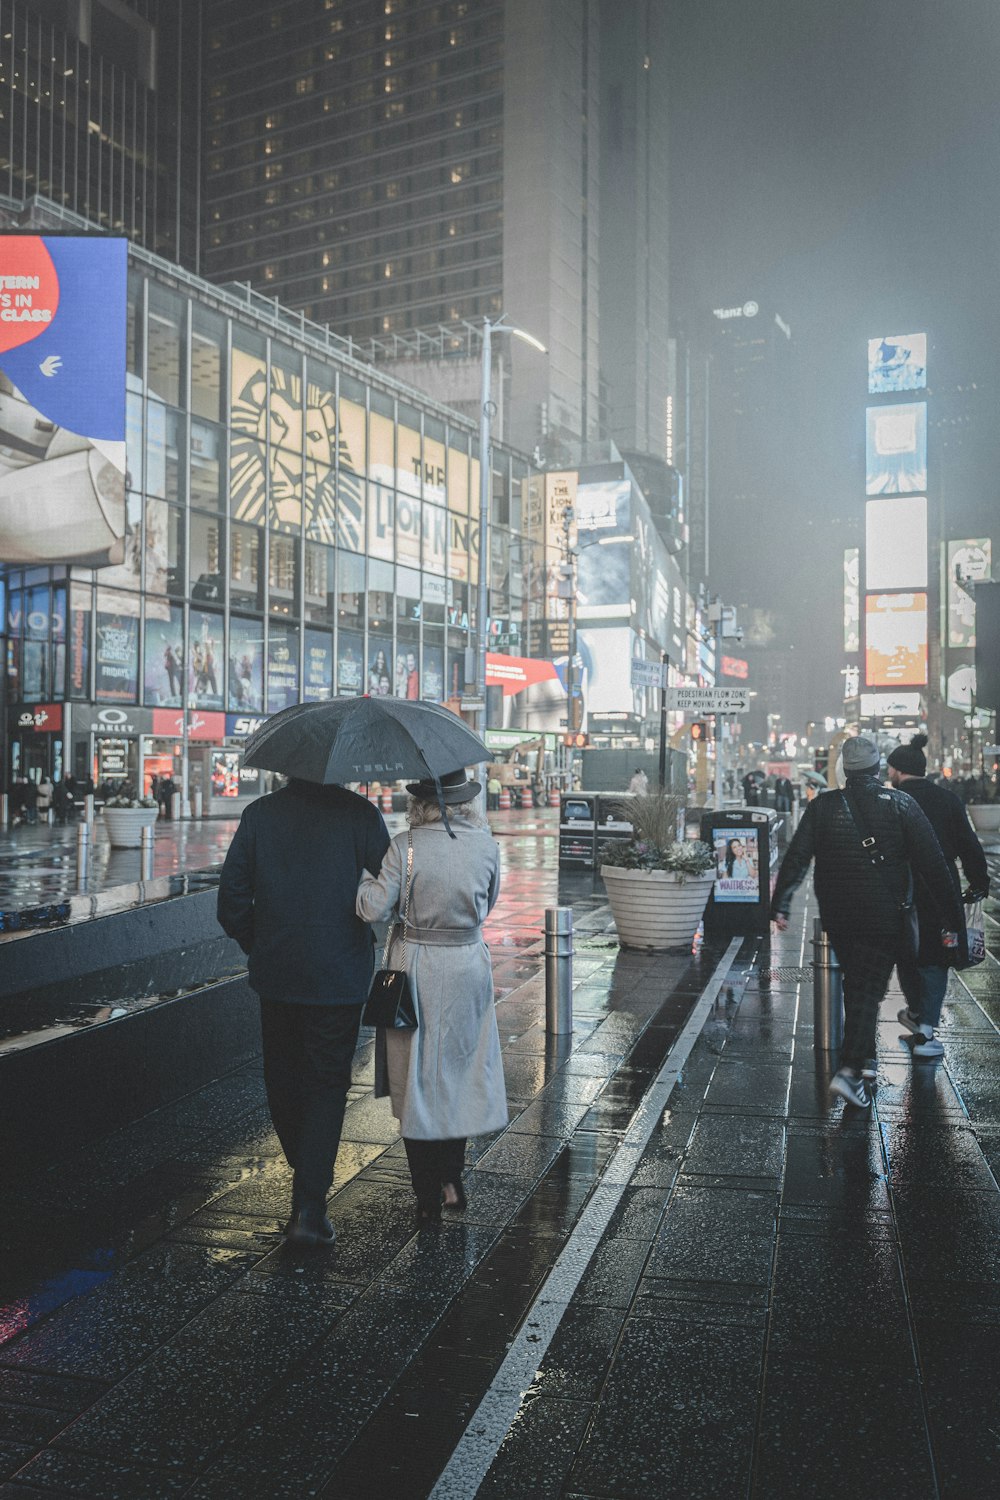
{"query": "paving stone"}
[(538, 1452), (736, 1146), (108, 1332), (825, 1432), (717, 1234), (67, 1473), (677, 1414)]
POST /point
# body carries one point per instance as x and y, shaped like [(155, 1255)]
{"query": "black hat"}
[(910, 759), (455, 788)]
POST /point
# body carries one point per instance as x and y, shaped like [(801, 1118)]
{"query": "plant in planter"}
[(658, 885), (125, 817)]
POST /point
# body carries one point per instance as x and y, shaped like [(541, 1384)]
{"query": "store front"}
[(35, 735)]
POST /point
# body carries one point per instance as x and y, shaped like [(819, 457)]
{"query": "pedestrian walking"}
[(287, 895), (639, 784), (493, 790), (923, 978), (165, 789), (29, 801), (445, 1079), (783, 794), (751, 788), (45, 795), (62, 801), (868, 844)]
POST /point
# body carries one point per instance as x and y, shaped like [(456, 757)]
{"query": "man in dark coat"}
[(924, 978), (862, 892), (287, 895)]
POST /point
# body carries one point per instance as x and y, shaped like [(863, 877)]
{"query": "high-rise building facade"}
[(398, 168), (100, 113)]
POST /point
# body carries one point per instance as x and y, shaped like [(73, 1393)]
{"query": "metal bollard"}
[(82, 855), (89, 808), (50, 817), (4, 809), (828, 994), (147, 837), (197, 803), (558, 969), (175, 806)]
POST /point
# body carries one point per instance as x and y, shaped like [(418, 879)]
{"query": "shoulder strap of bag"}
[(401, 921), (875, 856)]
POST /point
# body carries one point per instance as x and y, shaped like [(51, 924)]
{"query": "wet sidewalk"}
[(674, 1278)]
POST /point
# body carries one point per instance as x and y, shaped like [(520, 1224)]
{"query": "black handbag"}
[(390, 999), (909, 934)]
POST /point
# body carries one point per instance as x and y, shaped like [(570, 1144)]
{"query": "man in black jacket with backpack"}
[(923, 977), (867, 842)]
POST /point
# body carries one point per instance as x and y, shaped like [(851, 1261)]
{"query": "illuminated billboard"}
[(62, 398), (897, 362), (852, 599), (896, 449), (896, 543), (896, 640), (971, 561)]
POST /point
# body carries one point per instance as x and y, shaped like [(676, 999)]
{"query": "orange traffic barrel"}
[(387, 799), (554, 796), (505, 799), (527, 797)]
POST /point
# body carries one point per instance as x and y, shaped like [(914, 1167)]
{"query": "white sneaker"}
[(850, 1086), (926, 1043), (908, 1018)]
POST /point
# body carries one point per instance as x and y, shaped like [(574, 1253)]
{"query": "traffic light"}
[(576, 741), (699, 730)]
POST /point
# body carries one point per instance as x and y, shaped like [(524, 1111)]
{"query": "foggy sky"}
[(838, 162)]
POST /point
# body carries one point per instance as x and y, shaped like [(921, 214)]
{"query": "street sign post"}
[(717, 700), (649, 674)]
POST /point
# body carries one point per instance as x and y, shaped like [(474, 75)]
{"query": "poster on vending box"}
[(737, 864)]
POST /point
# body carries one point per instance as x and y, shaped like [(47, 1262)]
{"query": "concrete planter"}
[(985, 816), (125, 825), (655, 909)]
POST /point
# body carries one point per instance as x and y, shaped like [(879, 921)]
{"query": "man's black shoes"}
[(310, 1226)]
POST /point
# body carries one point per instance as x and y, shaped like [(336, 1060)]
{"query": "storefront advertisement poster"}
[(282, 667), (116, 656), (163, 654), (318, 684), (246, 665), (205, 661)]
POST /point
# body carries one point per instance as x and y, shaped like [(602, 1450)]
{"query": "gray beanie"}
[(861, 753)]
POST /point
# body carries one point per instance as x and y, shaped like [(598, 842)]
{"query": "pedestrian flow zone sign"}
[(717, 700), (649, 674)]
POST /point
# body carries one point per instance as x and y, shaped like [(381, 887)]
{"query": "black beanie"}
[(910, 759)]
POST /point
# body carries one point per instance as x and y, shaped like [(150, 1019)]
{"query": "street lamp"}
[(486, 411)]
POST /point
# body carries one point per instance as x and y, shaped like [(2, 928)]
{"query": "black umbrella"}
[(364, 739)]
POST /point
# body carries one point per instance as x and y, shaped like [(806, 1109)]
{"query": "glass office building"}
[(297, 525)]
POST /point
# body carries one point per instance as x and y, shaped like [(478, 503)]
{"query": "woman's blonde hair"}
[(420, 813)]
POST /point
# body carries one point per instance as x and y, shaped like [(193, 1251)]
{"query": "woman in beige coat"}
[(445, 1079)]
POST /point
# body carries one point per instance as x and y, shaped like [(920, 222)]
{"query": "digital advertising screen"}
[(896, 543), (737, 864), (896, 449), (896, 640), (62, 398), (971, 561), (897, 362)]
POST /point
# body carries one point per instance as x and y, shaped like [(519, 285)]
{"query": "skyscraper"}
[(393, 168), (100, 113)]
